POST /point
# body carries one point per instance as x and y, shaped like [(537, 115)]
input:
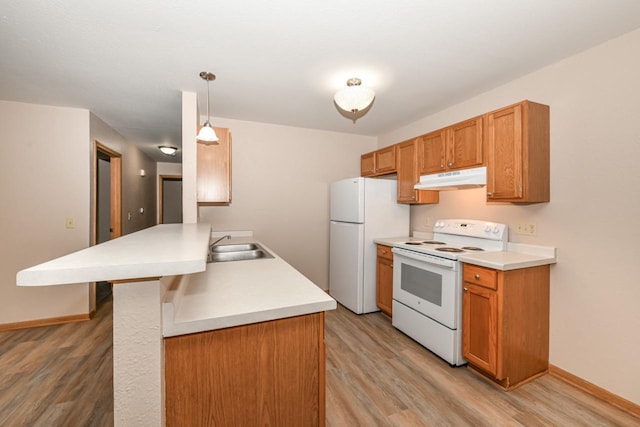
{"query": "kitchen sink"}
[(235, 248), (237, 252)]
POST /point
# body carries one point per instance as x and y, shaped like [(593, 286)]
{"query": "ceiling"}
[(281, 61)]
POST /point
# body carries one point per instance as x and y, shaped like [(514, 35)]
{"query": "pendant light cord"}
[(208, 102)]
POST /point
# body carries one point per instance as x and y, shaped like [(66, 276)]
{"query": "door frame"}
[(115, 160), (161, 179)]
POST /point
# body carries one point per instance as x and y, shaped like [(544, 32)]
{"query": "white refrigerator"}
[(361, 209)]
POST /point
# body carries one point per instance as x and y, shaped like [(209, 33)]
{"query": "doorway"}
[(107, 209), (170, 197)]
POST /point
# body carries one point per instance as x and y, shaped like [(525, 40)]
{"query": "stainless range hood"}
[(454, 180)]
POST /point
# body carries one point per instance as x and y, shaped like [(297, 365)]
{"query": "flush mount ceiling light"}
[(168, 150), (354, 98), (207, 135)]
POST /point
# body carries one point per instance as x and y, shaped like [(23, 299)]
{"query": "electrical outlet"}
[(71, 223), (427, 221), (527, 228)]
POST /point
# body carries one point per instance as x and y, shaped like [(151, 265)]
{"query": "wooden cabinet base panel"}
[(268, 374), (505, 384)]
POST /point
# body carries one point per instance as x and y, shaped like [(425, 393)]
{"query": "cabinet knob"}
[(441, 166), (477, 276), (489, 194), (391, 265), (465, 289), (384, 252), (450, 164)]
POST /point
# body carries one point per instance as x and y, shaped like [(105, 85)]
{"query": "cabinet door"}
[(214, 170), (431, 152), (384, 279), (367, 164), (408, 175), (407, 171), (385, 160), (464, 144), (504, 149), (480, 327)]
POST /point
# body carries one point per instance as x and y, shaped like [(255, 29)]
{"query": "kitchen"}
[(592, 104)]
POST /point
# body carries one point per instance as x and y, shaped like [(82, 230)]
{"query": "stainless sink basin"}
[(237, 252), (235, 248)]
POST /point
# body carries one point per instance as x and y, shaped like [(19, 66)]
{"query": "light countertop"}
[(390, 241), (516, 256), (162, 250), (238, 293)]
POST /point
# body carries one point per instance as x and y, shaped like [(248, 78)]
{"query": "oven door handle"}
[(424, 258)]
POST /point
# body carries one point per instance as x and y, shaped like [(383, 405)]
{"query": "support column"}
[(138, 353)]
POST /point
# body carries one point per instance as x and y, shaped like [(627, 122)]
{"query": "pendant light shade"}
[(354, 97), (207, 134)]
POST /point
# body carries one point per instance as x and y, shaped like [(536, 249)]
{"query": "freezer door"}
[(347, 200), (346, 258)]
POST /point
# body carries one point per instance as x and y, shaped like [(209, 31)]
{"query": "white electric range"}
[(427, 282)]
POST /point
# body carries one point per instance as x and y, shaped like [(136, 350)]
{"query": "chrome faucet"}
[(227, 236)]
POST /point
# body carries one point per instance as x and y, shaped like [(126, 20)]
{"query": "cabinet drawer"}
[(385, 252), (480, 276)]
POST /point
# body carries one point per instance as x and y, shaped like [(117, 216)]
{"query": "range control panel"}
[(471, 228)]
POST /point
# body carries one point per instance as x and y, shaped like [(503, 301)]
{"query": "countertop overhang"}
[(162, 250)]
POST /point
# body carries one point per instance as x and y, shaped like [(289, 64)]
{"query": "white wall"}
[(44, 179), (595, 205), (280, 188)]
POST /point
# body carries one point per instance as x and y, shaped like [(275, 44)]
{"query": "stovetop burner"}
[(412, 243), (433, 242), (472, 248), (449, 249)]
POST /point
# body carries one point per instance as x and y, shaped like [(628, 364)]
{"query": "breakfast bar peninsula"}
[(176, 318)]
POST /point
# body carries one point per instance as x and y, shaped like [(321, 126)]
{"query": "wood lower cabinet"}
[(458, 146), (379, 162), (517, 142), (269, 374), (213, 170), (409, 175), (505, 323), (384, 279)]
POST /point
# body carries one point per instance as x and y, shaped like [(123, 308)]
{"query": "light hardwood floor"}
[(376, 376)]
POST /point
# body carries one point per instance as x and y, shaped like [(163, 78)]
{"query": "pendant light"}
[(354, 98), (207, 135)]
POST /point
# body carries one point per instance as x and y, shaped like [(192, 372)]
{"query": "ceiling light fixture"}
[(354, 98), (207, 135), (168, 150)]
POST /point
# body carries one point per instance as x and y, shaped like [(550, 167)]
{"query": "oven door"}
[(427, 284)]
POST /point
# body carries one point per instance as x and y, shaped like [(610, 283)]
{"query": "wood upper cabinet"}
[(505, 323), (379, 162), (458, 146), (409, 175), (517, 141), (367, 164), (384, 279), (214, 170)]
